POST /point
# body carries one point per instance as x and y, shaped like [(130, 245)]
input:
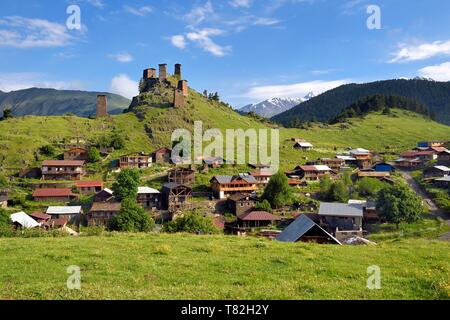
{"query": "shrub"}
[(192, 222), (132, 218), (278, 192)]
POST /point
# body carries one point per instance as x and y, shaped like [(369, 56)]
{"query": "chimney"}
[(162, 72), (178, 70), (102, 105)]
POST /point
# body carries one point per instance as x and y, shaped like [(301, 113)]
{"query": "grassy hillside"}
[(49, 102), (434, 95), (134, 266)]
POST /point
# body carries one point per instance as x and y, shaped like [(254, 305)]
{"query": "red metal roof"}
[(417, 153), (53, 192), (258, 216), (40, 215), (64, 163), (85, 184)]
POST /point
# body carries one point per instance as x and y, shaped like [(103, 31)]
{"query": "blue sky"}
[(247, 50)]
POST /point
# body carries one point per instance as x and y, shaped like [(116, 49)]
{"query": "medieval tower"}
[(102, 105)]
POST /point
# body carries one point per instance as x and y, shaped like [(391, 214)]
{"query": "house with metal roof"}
[(256, 219), (305, 230), (303, 146), (343, 216), (149, 198), (63, 169), (54, 195), (436, 172), (68, 212), (102, 212), (22, 220), (224, 186), (443, 182)]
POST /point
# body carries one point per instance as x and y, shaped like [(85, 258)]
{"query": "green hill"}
[(50, 102), (434, 95)]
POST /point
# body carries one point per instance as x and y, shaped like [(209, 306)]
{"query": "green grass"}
[(132, 266)]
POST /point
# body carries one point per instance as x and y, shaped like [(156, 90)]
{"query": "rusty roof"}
[(66, 163), (258, 216), (53, 192)]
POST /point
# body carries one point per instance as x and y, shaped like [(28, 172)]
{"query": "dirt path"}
[(434, 209)]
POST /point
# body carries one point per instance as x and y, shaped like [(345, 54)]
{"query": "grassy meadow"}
[(146, 266)]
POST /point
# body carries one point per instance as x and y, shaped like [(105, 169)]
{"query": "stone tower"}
[(162, 72), (178, 99), (183, 87), (149, 73), (102, 105), (178, 71)]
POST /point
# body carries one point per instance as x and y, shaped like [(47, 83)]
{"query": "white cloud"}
[(125, 86), (199, 14), (96, 3), (241, 3), (203, 39), (421, 52), (296, 90), (439, 72), (26, 80), (122, 57), (141, 11), (265, 21), (178, 41), (23, 32)]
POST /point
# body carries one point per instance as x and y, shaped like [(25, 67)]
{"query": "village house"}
[(370, 213), (22, 220), (382, 176), (443, 158), (349, 160), (89, 187), (256, 219), (40, 217), (304, 146), (102, 212), (224, 186), (69, 213), (149, 198), (383, 167), (105, 195), (162, 155), (241, 203), (63, 169), (334, 164), (262, 177), (54, 195), (306, 230), (77, 153), (427, 144), (443, 182), (363, 157), (213, 162), (310, 173), (138, 160), (409, 164), (341, 216), (3, 199), (421, 155), (436, 172), (176, 197), (184, 176)]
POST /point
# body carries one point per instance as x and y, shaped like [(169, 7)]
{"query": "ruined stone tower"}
[(178, 71), (183, 87), (162, 72), (149, 73), (102, 105), (178, 99)]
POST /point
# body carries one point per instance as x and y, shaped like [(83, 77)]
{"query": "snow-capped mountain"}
[(274, 106)]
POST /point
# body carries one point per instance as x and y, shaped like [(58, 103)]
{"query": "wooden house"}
[(341, 216), (421, 155), (162, 155), (382, 176), (54, 195), (149, 198), (40, 217), (102, 212), (409, 164), (427, 144), (436, 172), (70, 213), (22, 220), (363, 157), (443, 158), (224, 186), (184, 176), (241, 203), (213, 162), (105, 195), (262, 177), (176, 197), (63, 169), (304, 146), (443, 182), (138, 160), (256, 219), (76, 153), (310, 173), (334, 164), (89, 187)]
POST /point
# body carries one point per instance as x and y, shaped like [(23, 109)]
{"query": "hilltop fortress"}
[(150, 80)]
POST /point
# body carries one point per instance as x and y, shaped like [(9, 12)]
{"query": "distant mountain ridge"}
[(52, 102), (274, 106), (433, 94)]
